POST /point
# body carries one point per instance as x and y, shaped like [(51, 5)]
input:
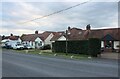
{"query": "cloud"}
[(98, 14), (58, 0), (17, 31)]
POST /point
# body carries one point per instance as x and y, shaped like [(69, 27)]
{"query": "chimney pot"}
[(11, 34), (36, 32), (88, 27), (69, 28)]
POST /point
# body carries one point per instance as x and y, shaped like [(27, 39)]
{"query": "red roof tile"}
[(31, 37), (47, 33), (57, 35), (79, 34), (11, 37)]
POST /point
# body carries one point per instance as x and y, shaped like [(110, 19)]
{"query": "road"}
[(28, 65)]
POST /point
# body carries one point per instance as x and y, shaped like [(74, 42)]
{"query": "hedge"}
[(87, 47), (77, 47), (94, 46)]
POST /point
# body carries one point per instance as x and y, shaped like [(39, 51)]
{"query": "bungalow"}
[(34, 40), (48, 35), (58, 36), (38, 40), (11, 40), (109, 37)]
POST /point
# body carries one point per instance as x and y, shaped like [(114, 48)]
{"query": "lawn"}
[(50, 53)]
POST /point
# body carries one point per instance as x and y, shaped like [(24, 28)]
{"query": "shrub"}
[(45, 47), (88, 47), (94, 46)]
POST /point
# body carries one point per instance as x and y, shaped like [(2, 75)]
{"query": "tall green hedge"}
[(91, 46), (94, 46), (77, 47)]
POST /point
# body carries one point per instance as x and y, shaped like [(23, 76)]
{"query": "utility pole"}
[(66, 42)]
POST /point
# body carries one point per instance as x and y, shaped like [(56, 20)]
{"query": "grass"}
[(50, 53)]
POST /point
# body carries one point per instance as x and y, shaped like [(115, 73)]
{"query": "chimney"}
[(36, 32), (69, 28), (11, 34), (88, 27)]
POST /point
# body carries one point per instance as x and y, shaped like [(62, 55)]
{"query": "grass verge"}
[(50, 53)]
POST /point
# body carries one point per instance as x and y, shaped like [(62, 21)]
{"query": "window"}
[(32, 43), (108, 44), (40, 43)]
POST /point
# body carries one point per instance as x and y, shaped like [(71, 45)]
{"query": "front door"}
[(108, 46)]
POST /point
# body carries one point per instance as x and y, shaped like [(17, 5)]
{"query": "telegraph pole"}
[(66, 42)]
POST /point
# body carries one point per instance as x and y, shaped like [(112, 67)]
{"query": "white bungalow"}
[(34, 40)]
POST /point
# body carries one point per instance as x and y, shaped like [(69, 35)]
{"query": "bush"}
[(87, 47), (59, 46), (94, 46), (45, 47), (77, 47)]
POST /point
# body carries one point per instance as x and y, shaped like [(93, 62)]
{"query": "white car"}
[(27, 47), (18, 46)]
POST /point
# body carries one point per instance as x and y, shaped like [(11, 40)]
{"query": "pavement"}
[(110, 55), (29, 65)]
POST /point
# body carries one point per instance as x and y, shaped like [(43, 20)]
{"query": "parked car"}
[(27, 47), (3, 45), (18, 46), (8, 47)]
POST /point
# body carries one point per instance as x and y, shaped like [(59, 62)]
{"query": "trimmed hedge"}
[(87, 47), (77, 47), (45, 47), (59, 46), (94, 46)]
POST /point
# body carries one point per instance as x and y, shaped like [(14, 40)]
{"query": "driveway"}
[(28, 65), (109, 55)]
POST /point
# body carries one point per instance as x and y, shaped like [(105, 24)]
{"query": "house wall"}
[(28, 43), (32, 44), (38, 43), (102, 44), (19, 40), (116, 43), (62, 38), (47, 40)]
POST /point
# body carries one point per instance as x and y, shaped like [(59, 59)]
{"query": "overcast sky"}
[(98, 14)]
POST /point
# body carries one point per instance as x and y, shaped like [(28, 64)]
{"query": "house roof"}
[(75, 34), (113, 32), (79, 34), (31, 37), (11, 37), (47, 33), (108, 37), (57, 35)]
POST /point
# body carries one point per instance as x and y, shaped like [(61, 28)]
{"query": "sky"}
[(15, 16)]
